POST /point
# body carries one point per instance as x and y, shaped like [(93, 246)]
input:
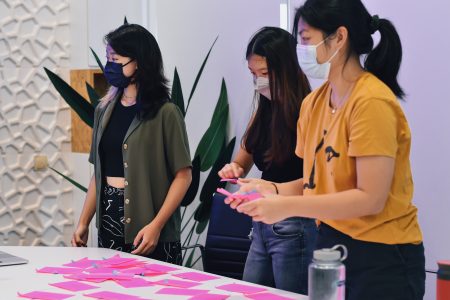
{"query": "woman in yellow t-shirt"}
[(355, 141)]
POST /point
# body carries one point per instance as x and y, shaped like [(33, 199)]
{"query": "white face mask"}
[(262, 86), (307, 59)]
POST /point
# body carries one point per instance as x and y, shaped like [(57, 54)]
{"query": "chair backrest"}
[(227, 241)]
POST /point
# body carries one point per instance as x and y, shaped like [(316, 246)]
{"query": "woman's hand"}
[(146, 239), (80, 236), (270, 209), (251, 185), (231, 170)]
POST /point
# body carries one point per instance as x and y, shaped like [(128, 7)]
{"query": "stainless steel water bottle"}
[(326, 274)]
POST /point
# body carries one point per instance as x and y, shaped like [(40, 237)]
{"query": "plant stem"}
[(189, 237), (187, 222)]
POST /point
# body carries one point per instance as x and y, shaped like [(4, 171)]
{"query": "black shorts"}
[(378, 271)]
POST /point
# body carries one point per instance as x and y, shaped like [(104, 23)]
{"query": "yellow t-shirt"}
[(371, 123)]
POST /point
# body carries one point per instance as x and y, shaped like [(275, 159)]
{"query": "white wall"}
[(187, 29), (35, 207)]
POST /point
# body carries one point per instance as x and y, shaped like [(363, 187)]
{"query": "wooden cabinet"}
[(82, 133)]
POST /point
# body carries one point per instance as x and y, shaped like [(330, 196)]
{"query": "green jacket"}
[(153, 151)]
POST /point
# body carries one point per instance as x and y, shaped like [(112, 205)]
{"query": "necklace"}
[(341, 100), (128, 97), (128, 100)]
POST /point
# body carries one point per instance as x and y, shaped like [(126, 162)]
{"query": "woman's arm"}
[(80, 236), (265, 187), (148, 237), (374, 179), (239, 167)]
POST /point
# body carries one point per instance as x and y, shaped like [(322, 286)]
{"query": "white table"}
[(24, 279)]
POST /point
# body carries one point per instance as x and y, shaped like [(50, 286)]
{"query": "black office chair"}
[(227, 242)]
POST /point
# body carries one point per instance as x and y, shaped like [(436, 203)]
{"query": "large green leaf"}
[(199, 74), (80, 105), (189, 262), (211, 142), (71, 180), (201, 226), (177, 93), (222, 103), (193, 188), (99, 63), (190, 259), (211, 184), (213, 179), (93, 96)]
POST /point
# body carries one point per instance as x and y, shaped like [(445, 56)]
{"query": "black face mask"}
[(114, 74)]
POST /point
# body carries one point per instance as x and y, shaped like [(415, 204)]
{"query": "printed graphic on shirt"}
[(329, 152)]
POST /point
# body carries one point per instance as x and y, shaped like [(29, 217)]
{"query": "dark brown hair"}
[(288, 87)]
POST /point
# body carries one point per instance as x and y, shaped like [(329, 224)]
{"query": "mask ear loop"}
[(133, 81), (128, 62), (335, 53)]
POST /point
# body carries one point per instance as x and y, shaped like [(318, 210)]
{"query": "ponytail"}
[(385, 59)]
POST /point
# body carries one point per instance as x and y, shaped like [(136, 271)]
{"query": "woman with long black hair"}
[(140, 154), (280, 253), (355, 142)]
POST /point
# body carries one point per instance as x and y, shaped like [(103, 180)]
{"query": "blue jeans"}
[(280, 254)]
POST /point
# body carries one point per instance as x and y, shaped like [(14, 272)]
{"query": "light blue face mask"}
[(262, 86), (307, 59)]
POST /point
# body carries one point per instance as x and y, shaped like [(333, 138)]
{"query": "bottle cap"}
[(327, 254), (331, 254)]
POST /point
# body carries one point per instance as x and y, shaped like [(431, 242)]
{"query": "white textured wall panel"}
[(35, 207)]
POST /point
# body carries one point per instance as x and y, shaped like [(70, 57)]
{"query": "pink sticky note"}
[(224, 192), (244, 197), (45, 295), (116, 260), (241, 288), (101, 270), (82, 278), (267, 296), (135, 271), (195, 276), (181, 292), (82, 263), (57, 270), (177, 283), (73, 286), (112, 296), (160, 268), (133, 283), (209, 297), (105, 276)]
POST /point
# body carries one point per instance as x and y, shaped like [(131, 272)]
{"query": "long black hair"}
[(136, 42), (384, 60), (288, 87)]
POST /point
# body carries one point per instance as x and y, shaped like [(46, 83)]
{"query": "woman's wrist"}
[(237, 164), (274, 185)]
